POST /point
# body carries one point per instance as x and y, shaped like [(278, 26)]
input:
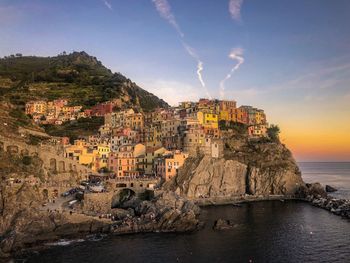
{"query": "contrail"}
[(192, 52), (164, 10), (108, 5), (235, 54), (234, 7)]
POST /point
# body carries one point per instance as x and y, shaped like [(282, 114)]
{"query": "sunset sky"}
[(291, 58)]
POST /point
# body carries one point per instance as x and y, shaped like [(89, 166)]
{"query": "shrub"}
[(273, 132), (27, 160)]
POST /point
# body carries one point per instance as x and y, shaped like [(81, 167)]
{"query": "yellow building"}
[(135, 121), (82, 152), (260, 117), (208, 119), (224, 116), (38, 107), (103, 152)]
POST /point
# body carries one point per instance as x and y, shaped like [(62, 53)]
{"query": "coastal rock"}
[(257, 169), (340, 207), (222, 224), (330, 189), (316, 189)]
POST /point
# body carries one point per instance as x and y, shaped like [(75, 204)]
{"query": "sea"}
[(267, 231), (335, 174)]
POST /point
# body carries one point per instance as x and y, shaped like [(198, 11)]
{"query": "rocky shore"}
[(166, 213), (317, 195)]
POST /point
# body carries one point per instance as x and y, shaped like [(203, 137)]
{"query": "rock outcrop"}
[(316, 195), (330, 189), (251, 169), (168, 212), (223, 224)]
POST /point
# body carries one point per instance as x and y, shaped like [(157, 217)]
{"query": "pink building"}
[(102, 109)]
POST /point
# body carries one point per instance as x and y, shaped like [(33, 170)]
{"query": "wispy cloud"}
[(164, 9), (235, 54), (234, 7), (325, 77), (192, 52), (108, 5)]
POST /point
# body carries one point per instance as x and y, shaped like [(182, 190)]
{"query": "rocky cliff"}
[(25, 222), (247, 168)]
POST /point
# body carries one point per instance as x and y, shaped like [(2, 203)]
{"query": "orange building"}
[(167, 166), (36, 107), (127, 158)]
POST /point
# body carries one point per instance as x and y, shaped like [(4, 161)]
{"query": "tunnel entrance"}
[(122, 197)]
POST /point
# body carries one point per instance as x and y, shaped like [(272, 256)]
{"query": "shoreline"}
[(203, 202), (151, 228)]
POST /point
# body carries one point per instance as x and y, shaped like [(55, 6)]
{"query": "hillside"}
[(78, 77)]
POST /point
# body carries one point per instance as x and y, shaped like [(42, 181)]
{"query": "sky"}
[(290, 58)]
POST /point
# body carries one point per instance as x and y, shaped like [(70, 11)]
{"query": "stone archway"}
[(12, 149), (53, 165), (61, 166), (121, 197), (45, 194), (121, 185)]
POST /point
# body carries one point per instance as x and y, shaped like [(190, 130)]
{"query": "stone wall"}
[(54, 161)]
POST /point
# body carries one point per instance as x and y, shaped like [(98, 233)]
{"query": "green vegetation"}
[(21, 118), (273, 132), (78, 77), (27, 160), (239, 128), (75, 129), (35, 140)]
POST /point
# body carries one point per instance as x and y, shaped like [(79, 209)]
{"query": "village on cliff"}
[(132, 143)]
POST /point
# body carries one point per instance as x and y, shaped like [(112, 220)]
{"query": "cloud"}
[(108, 5), (192, 52), (164, 10), (321, 78), (171, 91), (234, 7), (235, 54)]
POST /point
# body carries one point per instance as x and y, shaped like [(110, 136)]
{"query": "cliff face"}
[(259, 168)]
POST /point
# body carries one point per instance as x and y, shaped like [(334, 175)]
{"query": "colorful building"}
[(208, 119), (167, 166), (36, 107)]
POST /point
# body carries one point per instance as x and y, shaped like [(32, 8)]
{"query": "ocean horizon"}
[(336, 174)]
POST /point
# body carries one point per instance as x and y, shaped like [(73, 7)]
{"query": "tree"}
[(273, 132)]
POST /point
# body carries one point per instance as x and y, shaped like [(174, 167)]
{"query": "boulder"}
[(316, 189), (222, 224), (330, 189), (120, 214)]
